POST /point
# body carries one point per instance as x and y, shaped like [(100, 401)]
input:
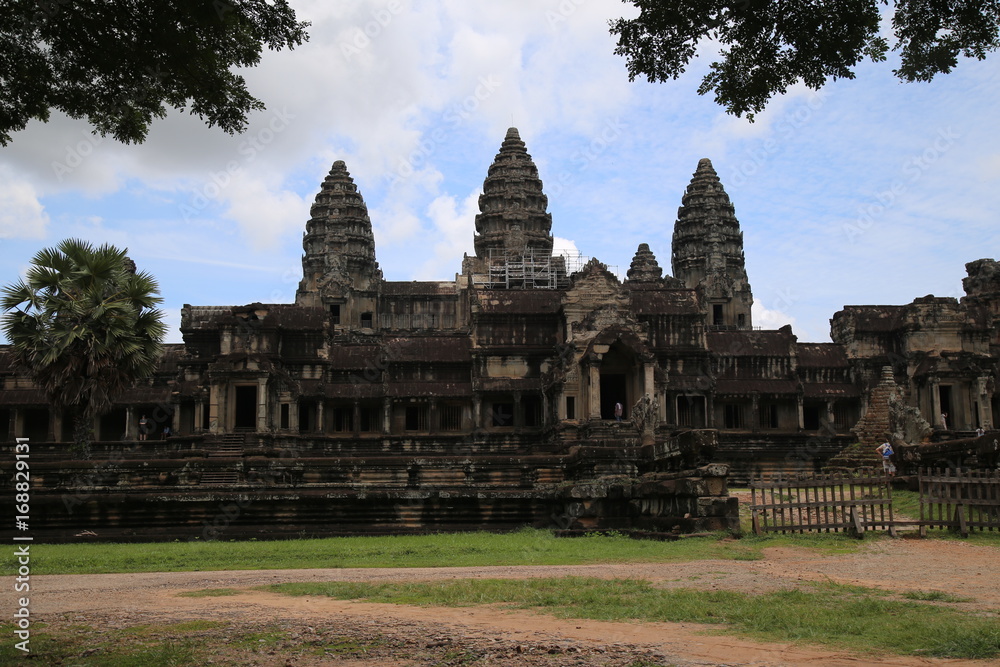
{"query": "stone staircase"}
[(219, 477), (230, 445)]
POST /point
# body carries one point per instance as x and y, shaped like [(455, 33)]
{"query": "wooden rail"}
[(821, 503), (960, 500)]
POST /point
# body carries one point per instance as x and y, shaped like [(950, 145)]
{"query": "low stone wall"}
[(168, 490)]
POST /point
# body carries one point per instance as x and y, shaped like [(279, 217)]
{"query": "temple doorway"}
[(245, 414), (614, 389), (617, 379)]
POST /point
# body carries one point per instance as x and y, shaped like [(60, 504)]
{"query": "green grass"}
[(523, 547), (935, 596), (827, 614), (210, 593), (97, 647)]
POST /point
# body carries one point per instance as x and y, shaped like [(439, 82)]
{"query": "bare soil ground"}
[(377, 634)]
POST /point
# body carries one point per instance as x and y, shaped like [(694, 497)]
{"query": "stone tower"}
[(513, 216), (339, 245), (708, 250)]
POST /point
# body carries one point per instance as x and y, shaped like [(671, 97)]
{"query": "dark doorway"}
[(691, 411), (36, 424), (614, 389), (4, 425), (112, 425), (810, 417), (944, 392), (246, 407)]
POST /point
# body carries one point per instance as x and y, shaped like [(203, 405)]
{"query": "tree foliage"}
[(120, 63), (84, 324), (768, 45)]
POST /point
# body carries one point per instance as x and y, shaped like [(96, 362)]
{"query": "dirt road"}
[(403, 635)]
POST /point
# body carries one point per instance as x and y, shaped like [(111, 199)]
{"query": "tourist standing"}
[(144, 425), (885, 449), (618, 411)]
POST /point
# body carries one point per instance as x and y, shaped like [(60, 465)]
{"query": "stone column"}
[(199, 416), (649, 380), (293, 416), (477, 412), (936, 403), (12, 426), (518, 410), (356, 418), (216, 414), (594, 392), (802, 413), (261, 404), (55, 425), (320, 417), (754, 412), (829, 414), (131, 423), (432, 417), (387, 416)]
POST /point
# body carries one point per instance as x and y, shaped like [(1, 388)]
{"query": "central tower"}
[(512, 216), (708, 250)]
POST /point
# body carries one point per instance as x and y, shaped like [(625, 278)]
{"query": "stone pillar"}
[(199, 416), (216, 396), (649, 380), (131, 423), (477, 412), (754, 412), (829, 413), (710, 410), (432, 417), (356, 418), (175, 419), (594, 391), (387, 416), (262, 404), (12, 427), (802, 413), (320, 417), (293, 416), (936, 403), (518, 410), (55, 425)]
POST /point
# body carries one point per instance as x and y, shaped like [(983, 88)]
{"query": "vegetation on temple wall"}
[(84, 324), (768, 45), (120, 64)]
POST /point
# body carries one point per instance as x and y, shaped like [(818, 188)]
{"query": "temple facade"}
[(526, 353)]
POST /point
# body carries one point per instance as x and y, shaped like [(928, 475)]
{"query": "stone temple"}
[(489, 401)]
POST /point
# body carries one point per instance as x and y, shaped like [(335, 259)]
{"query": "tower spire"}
[(708, 248), (512, 207), (339, 243)]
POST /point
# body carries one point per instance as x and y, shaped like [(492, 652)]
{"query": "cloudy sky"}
[(869, 192)]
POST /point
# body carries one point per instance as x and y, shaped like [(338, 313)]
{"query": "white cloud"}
[(452, 230), (22, 215)]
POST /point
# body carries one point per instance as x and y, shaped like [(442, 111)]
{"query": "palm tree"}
[(85, 325)]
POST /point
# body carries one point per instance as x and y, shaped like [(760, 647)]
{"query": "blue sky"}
[(869, 191)]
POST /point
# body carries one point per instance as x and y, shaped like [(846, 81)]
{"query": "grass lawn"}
[(860, 619), (524, 547)]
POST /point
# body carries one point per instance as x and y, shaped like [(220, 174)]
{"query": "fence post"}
[(857, 528), (963, 528)]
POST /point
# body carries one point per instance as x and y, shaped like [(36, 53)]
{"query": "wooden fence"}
[(953, 499), (959, 500), (822, 503)]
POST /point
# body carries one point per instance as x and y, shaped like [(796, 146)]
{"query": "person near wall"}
[(885, 449), (618, 411), (144, 425)]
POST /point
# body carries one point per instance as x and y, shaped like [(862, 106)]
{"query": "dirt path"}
[(501, 637)]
